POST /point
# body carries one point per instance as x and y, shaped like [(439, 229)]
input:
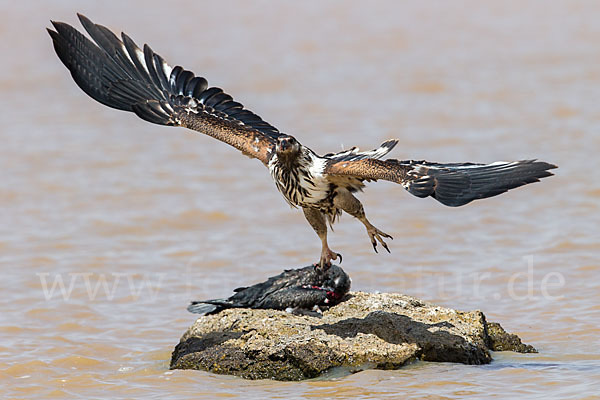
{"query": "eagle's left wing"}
[(450, 184), (116, 73)]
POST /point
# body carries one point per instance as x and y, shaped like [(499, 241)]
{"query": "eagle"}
[(117, 73), (297, 290)]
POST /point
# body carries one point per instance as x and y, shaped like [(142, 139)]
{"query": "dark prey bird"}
[(294, 289), (115, 72)]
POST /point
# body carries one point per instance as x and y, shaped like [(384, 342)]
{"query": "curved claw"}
[(385, 247), (326, 257), (377, 236), (323, 267)]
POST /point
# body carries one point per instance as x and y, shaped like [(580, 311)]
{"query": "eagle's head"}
[(287, 146)]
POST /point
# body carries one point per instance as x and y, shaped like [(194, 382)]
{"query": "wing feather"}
[(117, 73), (368, 169), (450, 184), (355, 154)]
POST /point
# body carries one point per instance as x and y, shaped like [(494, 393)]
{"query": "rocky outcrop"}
[(500, 340), (364, 331)]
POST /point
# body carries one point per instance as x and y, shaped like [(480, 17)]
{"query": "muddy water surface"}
[(110, 225)]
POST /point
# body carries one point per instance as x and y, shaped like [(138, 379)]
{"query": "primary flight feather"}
[(117, 73)]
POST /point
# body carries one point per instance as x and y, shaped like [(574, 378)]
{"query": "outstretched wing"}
[(450, 184), (120, 75)]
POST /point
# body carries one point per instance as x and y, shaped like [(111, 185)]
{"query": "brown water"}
[(136, 220)]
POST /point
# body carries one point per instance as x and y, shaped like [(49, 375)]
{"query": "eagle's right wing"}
[(450, 184), (118, 74)]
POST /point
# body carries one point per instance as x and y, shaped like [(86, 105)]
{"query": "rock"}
[(366, 330), (500, 340)]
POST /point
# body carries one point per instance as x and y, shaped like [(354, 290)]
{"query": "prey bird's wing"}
[(117, 73), (450, 184)]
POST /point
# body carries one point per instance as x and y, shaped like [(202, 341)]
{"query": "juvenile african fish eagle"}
[(117, 73)]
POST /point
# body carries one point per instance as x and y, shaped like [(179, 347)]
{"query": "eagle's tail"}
[(458, 184)]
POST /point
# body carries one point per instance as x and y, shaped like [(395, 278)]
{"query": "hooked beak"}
[(284, 145)]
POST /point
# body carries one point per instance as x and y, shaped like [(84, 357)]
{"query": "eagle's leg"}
[(316, 219), (347, 202)]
